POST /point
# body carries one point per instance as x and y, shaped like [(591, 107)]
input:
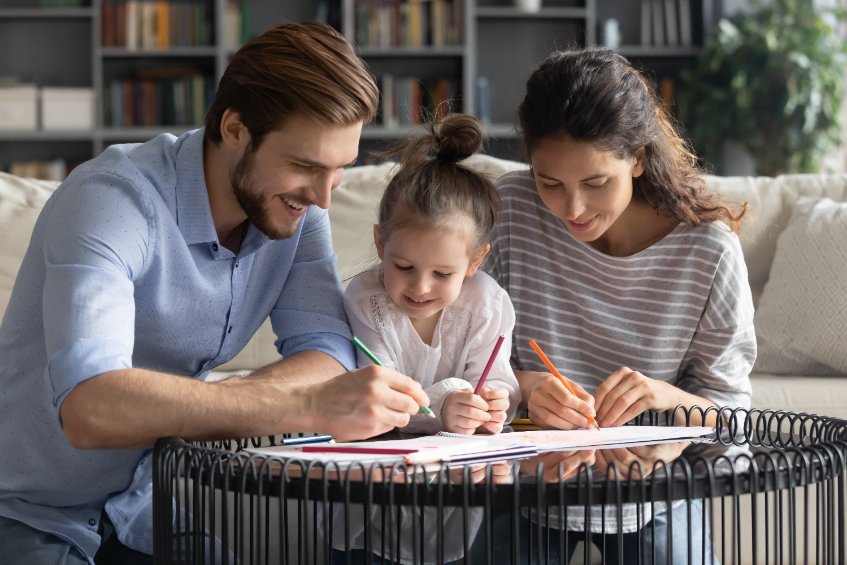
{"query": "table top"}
[(753, 451)]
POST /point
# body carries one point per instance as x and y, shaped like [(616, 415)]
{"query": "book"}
[(658, 23), (441, 447), (671, 23), (685, 37), (646, 23)]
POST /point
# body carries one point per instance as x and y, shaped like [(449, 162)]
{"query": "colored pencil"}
[(370, 355), (488, 365)]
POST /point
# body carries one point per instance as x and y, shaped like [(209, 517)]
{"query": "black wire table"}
[(769, 488)]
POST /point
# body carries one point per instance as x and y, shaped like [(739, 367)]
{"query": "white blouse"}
[(461, 344)]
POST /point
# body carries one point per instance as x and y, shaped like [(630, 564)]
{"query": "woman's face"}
[(589, 189)]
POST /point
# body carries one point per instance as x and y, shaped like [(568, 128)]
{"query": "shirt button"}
[(215, 247), (236, 265), (92, 522), (229, 331)]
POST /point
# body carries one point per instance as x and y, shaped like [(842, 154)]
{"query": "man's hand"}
[(550, 404), (498, 403), (463, 412), (365, 403)]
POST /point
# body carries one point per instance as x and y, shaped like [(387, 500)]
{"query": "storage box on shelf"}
[(19, 107), (67, 108)]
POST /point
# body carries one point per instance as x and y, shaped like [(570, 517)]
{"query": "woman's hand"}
[(626, 393), (550, 405), (463, 412), (498, 403), (557, 466), (639, 461)]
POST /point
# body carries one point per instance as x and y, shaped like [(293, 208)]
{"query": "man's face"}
[(295, 166)]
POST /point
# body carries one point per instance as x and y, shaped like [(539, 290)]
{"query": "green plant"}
[(773, 80)]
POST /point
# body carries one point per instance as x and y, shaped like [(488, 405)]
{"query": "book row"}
[(416, 23), (178, 99), (156, 24), (410, 101)]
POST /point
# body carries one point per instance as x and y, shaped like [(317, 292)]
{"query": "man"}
[(154, 263)]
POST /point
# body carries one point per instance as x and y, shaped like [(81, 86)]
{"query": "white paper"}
[(604, 438)]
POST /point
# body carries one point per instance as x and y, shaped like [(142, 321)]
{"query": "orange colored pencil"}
[(558, 375)]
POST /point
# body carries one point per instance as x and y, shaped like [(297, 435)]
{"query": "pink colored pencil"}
[(488, 365)]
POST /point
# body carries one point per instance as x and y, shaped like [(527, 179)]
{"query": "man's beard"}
[(253, 203)]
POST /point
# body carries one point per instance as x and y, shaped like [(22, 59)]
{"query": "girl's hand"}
[(550, 405), (498, 403), (626, 393), (463, 412)]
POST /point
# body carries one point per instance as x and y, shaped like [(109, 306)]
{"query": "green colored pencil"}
[(370, 354)]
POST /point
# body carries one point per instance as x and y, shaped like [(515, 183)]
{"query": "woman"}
[(620, 264)]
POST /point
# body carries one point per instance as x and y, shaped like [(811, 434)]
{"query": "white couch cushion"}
[(801, 322), (21, 201), (771, 200)]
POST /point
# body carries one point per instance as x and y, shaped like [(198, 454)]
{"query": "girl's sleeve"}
[(360, 315), (497, 318)]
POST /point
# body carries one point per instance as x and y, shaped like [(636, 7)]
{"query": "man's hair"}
[(305, 69)]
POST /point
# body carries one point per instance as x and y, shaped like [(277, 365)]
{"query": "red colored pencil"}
[(488, 365)]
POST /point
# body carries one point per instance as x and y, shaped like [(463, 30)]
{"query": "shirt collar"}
[(193, 213)]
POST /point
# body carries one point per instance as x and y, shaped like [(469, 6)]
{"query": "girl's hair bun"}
[(457, 137)]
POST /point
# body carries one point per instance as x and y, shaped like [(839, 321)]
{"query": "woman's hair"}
[(304, 69), (596, 96), (431, 186)]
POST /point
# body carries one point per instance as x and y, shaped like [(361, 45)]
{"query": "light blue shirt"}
[(124, 269)]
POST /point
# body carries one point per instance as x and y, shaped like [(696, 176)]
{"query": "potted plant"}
[(772, 80)]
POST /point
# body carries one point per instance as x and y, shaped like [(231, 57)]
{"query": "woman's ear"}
[(234, 133), (477, 258), (638, 166), (378, 242)]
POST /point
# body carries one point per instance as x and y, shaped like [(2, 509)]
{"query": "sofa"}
[(794, 243)]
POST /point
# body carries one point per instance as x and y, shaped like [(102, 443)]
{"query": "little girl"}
[(428, 312)]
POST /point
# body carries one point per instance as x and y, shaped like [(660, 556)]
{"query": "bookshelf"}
[(661, 37), (478, 58)]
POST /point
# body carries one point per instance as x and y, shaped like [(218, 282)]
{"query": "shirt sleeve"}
[(309, 314), (721, 355), (363, 325), (96, 236), (498, 318)]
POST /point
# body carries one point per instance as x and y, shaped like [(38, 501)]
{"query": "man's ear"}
[(378, 242), (638, 167), (477, 258), (233, 132)]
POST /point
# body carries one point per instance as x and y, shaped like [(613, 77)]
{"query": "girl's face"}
[(425, 266), (589, 189)]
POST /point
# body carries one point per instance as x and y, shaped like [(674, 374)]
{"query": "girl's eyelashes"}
[(442, 275), (403, 267)]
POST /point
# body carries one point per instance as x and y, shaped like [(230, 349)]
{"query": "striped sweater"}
[(679, 311)]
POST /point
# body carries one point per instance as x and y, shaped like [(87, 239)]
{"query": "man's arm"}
[(133, 407), (306, 367)]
